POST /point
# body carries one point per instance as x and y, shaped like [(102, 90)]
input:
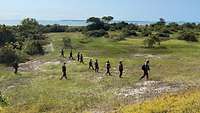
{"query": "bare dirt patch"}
[(148, 89)]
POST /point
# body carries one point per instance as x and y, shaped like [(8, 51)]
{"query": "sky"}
[(139, 10)]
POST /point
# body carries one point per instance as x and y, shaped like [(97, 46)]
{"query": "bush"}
[(74, 29), (151, 41), (34, 48), (166, 31), (8, 55), (146, 33), (53, 28), (6, 36), (188, 36), (118, 26), (67, 43), (128, 32), (163, 35), (3, 100), (97, 33)]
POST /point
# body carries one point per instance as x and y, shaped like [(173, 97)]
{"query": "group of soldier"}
[(95, 67)]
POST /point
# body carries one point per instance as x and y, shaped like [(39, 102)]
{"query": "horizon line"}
[(113, 20)]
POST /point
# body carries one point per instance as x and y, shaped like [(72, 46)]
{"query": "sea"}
[(72, 22)]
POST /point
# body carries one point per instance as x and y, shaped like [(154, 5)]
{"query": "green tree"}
[(107, 19), (8, 55), (149, 42), (34, 47), (161, 21), (67, 42), (95, 24), (126, 32), (6, 35), (94, 20), (28, 28), (188, 36)]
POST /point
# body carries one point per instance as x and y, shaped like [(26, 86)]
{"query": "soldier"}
[(146, 70), (71, 55), (62, 53), (78, 56), (96, 66), (81, 59), (108, 67), (121, 68), (91, 65), (16, 66), (64, 72)]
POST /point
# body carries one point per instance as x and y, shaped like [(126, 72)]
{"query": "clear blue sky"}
[(150, 10)]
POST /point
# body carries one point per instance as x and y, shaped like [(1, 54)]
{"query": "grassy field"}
[(37, 91), (180, 103)]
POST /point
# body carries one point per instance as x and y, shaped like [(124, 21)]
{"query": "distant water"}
[(71, 22)]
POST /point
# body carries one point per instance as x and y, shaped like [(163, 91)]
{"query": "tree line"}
[(28, 38)]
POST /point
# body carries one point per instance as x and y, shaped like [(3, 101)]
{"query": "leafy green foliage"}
[(146, 33), (6, 36), (173, 27), (151, 41), (67, 42), (128, 32), (34, 47), (188, 36), (97, 33), (3, 100), (54, 28), (163, 35), (107, 19), (95, 24), (28, 27), (8, 55), (118, 26)]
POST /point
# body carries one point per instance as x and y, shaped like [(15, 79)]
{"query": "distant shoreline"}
[(79, 22)]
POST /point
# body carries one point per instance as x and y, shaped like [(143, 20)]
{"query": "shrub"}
[(118, 26), (96, 33), (128, 32), (163, 35), (34, 48), (53, 28), (8, 55), (151, 41), (3, 100), (6, 36), (166, 31), (146, 33), (188, 36), (74, 29), (67, 43)]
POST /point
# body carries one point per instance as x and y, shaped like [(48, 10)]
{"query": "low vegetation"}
[(37, 87), (188, 102), (188, 36)]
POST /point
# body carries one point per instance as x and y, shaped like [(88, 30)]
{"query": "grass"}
[(42, 91), (187, 102)]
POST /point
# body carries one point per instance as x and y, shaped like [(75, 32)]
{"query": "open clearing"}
[(37, 87)]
